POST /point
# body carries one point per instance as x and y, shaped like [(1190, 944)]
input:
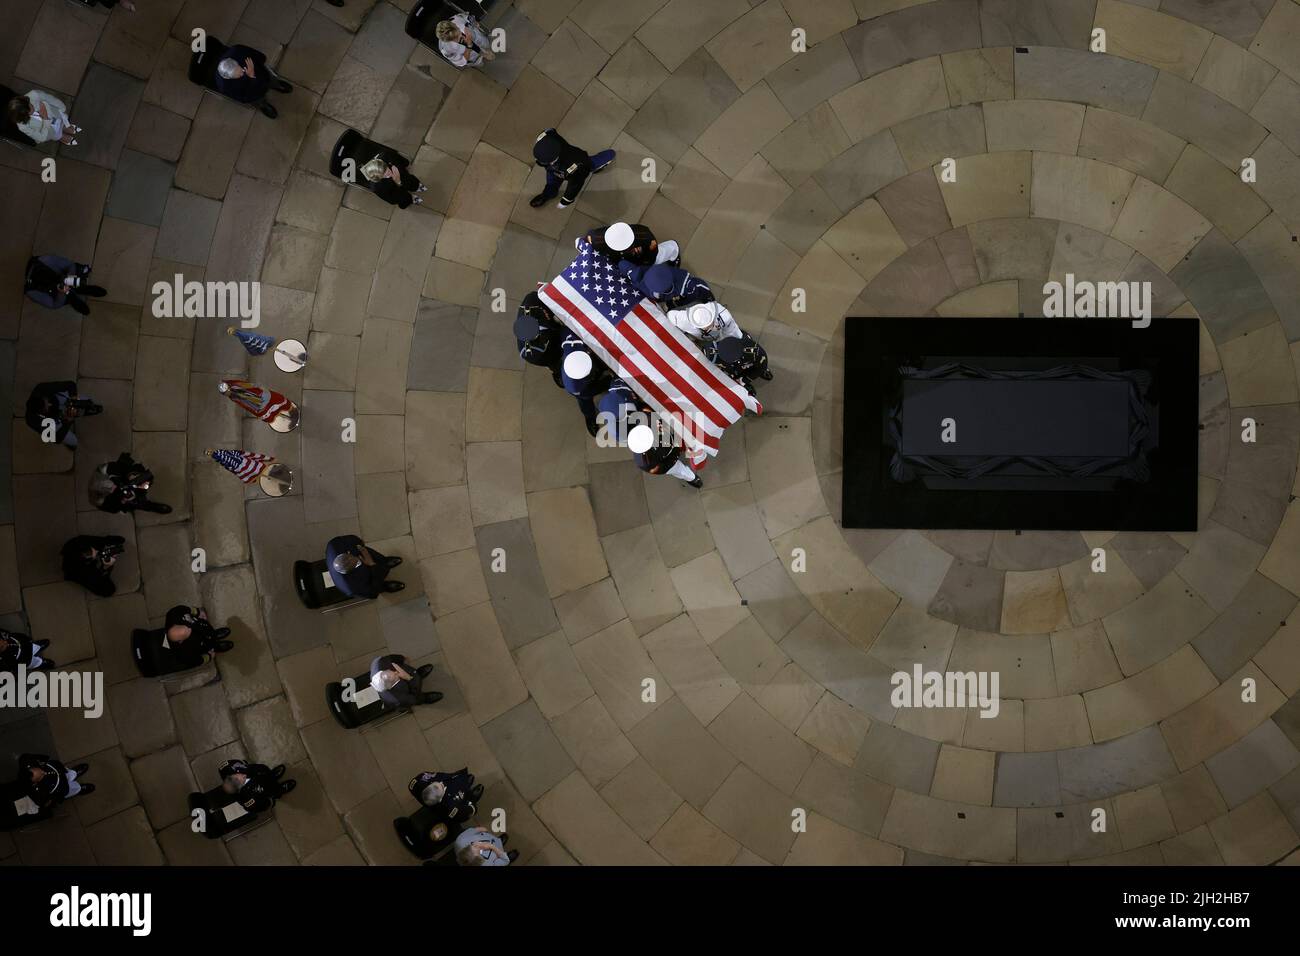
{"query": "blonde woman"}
[(390, 178), (462, 41), (43, 117)]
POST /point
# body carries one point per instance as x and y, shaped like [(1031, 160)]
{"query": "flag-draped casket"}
[(631, 334)]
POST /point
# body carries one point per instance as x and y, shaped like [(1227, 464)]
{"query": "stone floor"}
[(775, 171)]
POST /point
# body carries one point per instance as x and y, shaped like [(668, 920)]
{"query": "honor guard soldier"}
[(633, 243), (584, 377), (616, 406), (669, 286), (48, 782), (567, 164), (538, 336), (659, 458), (706, 322), (256, 785)]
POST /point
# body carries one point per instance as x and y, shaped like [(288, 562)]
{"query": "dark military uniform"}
[(565, 164), (262, 788)]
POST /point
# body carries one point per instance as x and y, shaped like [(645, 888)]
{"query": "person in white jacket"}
[(43, 117), (462, 41), (705, 322)]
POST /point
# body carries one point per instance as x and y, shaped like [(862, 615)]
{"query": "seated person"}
[(42, 117), (584, 377), (479, 846), (705, 322), (633, 243), (49, 782), (359, 571), (123, 486), (53, 281), (390, 178), (88, 560), (462, 42), (256, 785), (455, 795), (244, 76), (60, 403), (19, 649), (670, 287), (191, 638), (538, 333), (397, 686)]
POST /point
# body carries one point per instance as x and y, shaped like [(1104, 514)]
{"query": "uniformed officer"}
[(48, 782), (538, 335), (615, 408), (584, 377), (671, 287), (706, 322), (358, 570), (256, 785), (16, 649), (633, 243), (564, 163), (660, 458), (454, 795)]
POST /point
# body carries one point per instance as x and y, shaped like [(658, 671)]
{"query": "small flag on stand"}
[(247, 466), (257, 400), (255, 342)]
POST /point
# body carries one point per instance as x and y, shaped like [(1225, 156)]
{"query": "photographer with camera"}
[(54, 282), (89, 560), (123, 486), (192, 638), (58, 402)]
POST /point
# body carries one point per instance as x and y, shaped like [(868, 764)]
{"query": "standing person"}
[(243, 75), (462, 42), (634, 243), (660, 458), (566, 164), (89, 561), (256, 785), (192, 638), (43, 117), (669, 286), (359, 571), (53, 281), (479, 846), (539, 335), (397, 686), (391, 179), (705, 322), (58, 402), (19, 649), (123, 486), (49, 782), (584, 377)]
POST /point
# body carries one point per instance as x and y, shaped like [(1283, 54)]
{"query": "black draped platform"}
[(1052, 424)]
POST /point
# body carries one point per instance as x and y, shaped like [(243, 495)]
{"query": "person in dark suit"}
[(359, 571), (88, 560), (391, 677), (256, 785), (244, 76), (55, 281), (389, 177), (60, 403), (49, 782), (19, 649), (192, 638)]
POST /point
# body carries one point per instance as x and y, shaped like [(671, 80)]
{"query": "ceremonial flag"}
[(258, 401), (633, 336), (255, 342), (245, 465)]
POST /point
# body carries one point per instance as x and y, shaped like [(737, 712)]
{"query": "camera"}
[(108, 552), (85, 406)]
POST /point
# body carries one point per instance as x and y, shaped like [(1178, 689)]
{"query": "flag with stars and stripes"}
[(247, 466), (633, 336)]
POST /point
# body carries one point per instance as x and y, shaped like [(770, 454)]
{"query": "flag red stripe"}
[(709, 375)]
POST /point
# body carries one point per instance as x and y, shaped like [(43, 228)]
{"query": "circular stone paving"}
[(1162, 692)]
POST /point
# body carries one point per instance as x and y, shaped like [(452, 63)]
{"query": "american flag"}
[(634, 338), (247, 466)]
